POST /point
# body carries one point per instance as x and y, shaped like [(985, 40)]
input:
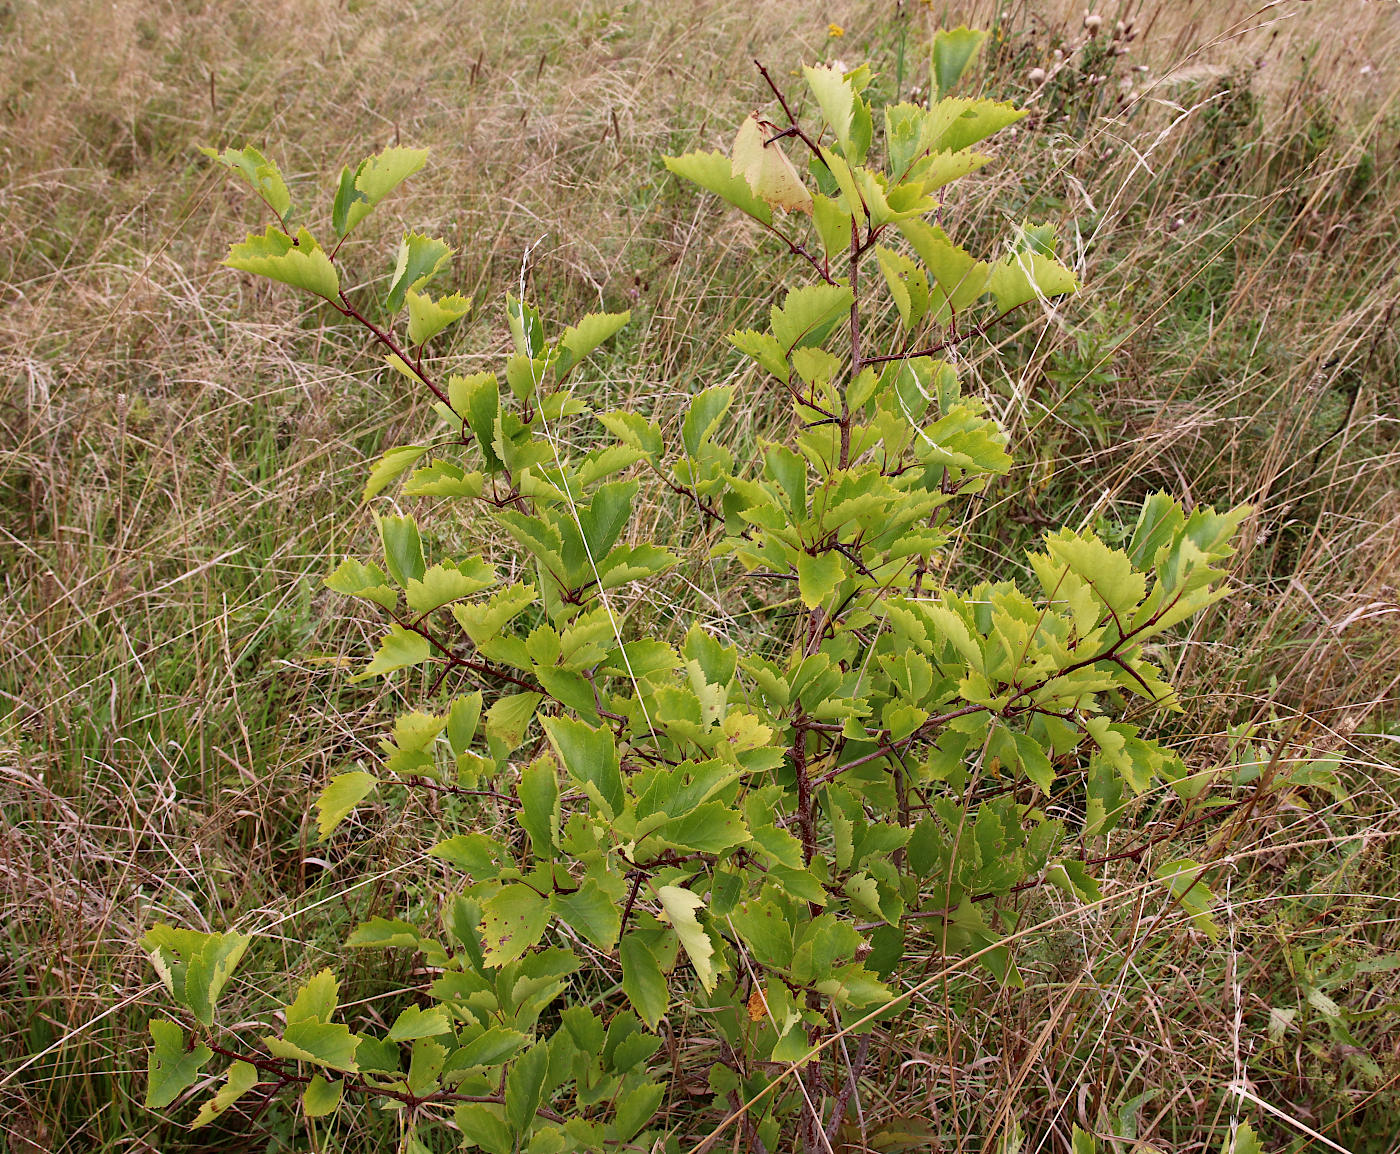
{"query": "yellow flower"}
[(835, 30)]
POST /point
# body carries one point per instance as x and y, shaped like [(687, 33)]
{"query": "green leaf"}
[(636, 1108), (316, 1000), (195, 966), (634, 430), (590, 756), (482, 1125), (538, 790), (324, 1043), (679, 906), (526, 328), (242, 1077), (399, 649), (833, 224), (416, 1022), (705, 412), (321, 1097), (710, 828), (492, 1048), (428, 317), (1184, 878), (372, 181), (581, 339), (1083, 1142), (525, 1087), (591, 912), (261, 173), (386, 933), (171, 1068), (714, 172), (390, 466), (403, 548), (642, 979), (420, 259), (483, 622), (767, 169), (343, 794), (425, 1066), (1242, 1141), (299, 263), (476, 853), (953, 50), (818, 577)]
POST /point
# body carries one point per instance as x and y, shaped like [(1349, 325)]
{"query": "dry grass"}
[(180, 458)]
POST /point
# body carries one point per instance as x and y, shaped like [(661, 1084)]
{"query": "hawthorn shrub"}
[(717, 841)]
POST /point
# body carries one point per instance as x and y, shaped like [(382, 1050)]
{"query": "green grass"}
[(181, 456)]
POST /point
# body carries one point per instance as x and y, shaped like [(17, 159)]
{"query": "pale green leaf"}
[(261, 173), (356, 579), (714, 172), (316, 1000), (512, 922), (449, 581), (390, 466), (324, 1043), (581, 339), (241, 1077), (953, 50), (510, 717), (321, 1097), (343, 794), (371, 182), (300, 263), (420, 258), (400, 649), (428, 317), (1027, 276), (416, 1022), (819, 576)]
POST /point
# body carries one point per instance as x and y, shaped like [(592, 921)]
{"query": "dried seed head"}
[(1036, 76)]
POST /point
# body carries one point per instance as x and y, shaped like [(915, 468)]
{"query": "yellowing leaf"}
[(766, 167), (679, 906)]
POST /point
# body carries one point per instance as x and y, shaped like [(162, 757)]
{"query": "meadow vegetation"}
[(182, 455)]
